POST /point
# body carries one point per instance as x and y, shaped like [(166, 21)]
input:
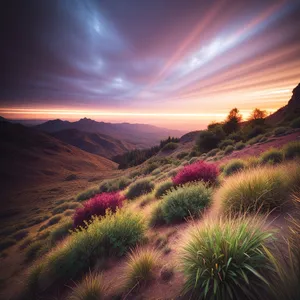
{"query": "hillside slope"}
[(31, 158), (140, 135), (289, 111), (93, 142)]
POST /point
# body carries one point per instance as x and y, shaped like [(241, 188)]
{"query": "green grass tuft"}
[(188, 200), (233, 166), (92, 287), (272, 156), (291, 150), (225, 259), (140, 267), (162, 188), (139, 188)]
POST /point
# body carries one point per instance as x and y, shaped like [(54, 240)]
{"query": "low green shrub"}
[(227, 259), (35, 250), (212, 152), (233, 166), (61, 231), (295, 123), (291, 150), (236, 136), (113, 234), (87, 194), (182, 155), (185, 201), (162, 188), (240, 145), (140, 267), (55, 219), (222, 145), (170, 147), (63, 207), (139, 188), (271, 156), (255, 131), (92, 287), (228, 149), (156, 216), (114, 185), (254, 140), (280, 131), (260, 189), (150, 168)]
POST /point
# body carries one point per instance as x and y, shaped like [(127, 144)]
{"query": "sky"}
[(174, 63)]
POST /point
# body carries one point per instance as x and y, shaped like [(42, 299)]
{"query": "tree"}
[(207, 140), (232, 122), (258, 116)]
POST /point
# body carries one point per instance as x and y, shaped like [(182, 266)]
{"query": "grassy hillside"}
[(31, 159), (165, 205)]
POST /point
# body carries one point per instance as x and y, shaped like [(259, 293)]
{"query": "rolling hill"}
[(139, 135), (93, 142), (32, 158)]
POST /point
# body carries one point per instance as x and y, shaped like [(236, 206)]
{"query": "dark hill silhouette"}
[(94, 142), (289, 111), (30, 158), (140, 135)]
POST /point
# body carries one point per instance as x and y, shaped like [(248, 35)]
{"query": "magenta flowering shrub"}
[(199, 171), (97, 205)]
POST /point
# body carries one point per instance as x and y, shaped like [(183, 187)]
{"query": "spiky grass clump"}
[(139, 188), (226, 259), (87, 194), (114, 185), (262, 189), (233, 166), (61, 231), (156, 216), (225, 143), (199, 171), (286, 283), (113, 234), (292, 150), (163, 188), (92, 287), (185, 201), (140, 267), (272, 156)]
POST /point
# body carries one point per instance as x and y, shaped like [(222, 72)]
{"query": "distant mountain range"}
[(93, 142), (131, 135)]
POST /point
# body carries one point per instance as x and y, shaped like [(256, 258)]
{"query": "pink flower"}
[(97, 206), (199, 171)]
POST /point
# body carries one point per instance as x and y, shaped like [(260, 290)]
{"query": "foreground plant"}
[(198, 171), (91, 287), (186, 201), (261, 189), (140, 267), (286, 283), (112, 234), (97, 206), (226, 259)]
